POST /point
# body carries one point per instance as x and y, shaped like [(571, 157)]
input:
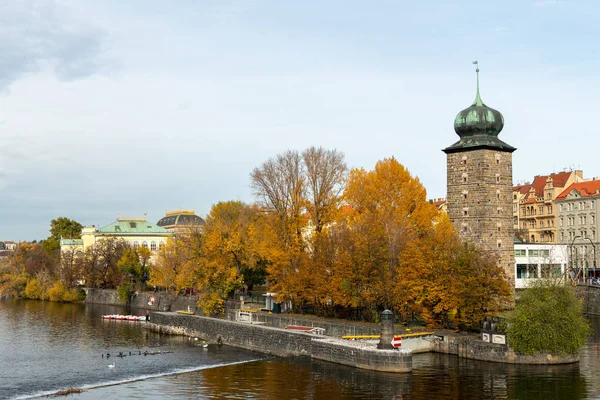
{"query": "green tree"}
[(65, 228), (548, 318)]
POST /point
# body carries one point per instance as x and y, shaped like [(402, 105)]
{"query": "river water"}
[(46, 347)]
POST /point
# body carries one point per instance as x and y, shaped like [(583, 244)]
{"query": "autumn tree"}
[(280, 187), (100, 263), (450, 281), (230, 239), (390, 211), (300, 196), (172, 269), (326, 174)]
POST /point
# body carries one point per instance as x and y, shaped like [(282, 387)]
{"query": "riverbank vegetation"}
[(326, 239), (548, 318)]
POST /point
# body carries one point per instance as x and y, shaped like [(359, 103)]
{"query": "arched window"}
[(153, 245), (136, 244), (161, 245), (145, 244)]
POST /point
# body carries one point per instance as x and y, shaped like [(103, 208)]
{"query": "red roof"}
[(585, 189), (558, 180), (439, 202), (522, 188)]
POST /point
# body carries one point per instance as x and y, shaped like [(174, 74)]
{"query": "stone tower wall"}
[(479, 201)]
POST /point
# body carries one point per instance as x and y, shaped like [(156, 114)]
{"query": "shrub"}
[(34, 290), (124, 291), (57, 292), (547, 318)]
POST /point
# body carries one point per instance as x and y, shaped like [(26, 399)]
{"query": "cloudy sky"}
[(126, 107)]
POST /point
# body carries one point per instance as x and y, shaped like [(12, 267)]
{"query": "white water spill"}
[(87, 388)]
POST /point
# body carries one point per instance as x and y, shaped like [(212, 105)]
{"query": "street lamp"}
[(594, 247), (573, 265)]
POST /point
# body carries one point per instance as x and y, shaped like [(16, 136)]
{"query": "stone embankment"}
[(474, 349), (162, 301), (281, 342)]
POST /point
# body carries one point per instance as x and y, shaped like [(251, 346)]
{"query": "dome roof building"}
[(180, 220)]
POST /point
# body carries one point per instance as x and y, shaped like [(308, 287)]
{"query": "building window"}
[(133, 225), (521, 271), (520, 253), (465, 195), (145, 244), (153, 245), (592, 219), (549, 209), (465, 212), (560, 222), (499, 243), (161, 245), (562, 236), (497, 178), (136, 244)]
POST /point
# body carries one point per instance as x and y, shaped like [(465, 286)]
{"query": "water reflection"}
[(59, 344)]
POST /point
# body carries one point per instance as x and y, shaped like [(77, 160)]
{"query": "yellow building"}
[(135, 232), (537, 205)]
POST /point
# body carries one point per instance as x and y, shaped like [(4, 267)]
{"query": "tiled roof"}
[(558, 180), (585, 189), (137, 226), (522, 188)]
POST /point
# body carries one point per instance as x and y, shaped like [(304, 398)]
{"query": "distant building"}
[(179, 220), (479, 182), (578, 225), (135, 232), (534, 261), (440, 204), (10, 245), (536, 205)]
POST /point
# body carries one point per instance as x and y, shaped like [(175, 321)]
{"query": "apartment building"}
[(578, 225), (537, 215)]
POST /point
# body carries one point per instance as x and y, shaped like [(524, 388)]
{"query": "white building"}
[(533, 261)]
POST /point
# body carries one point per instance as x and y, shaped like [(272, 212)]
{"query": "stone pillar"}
[(387, 330)]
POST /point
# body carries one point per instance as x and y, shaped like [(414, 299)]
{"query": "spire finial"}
[(477, 101)]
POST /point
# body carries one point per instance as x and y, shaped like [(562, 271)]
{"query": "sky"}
[(114, 108)]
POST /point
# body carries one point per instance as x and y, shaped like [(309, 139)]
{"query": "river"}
[(46, 347)]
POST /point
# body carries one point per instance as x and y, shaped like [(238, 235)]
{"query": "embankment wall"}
[(479, 350), (591, 298), (163, 301), (279, 342)]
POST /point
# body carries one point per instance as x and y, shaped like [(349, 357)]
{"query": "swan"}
[(111, 365), (205, 346)]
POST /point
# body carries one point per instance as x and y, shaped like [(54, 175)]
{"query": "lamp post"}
[(594, 247), (573, 265)]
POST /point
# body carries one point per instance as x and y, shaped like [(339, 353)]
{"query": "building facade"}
[(135, 232), (479, 182), (578, 225), (535, 202), (534, 261)]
